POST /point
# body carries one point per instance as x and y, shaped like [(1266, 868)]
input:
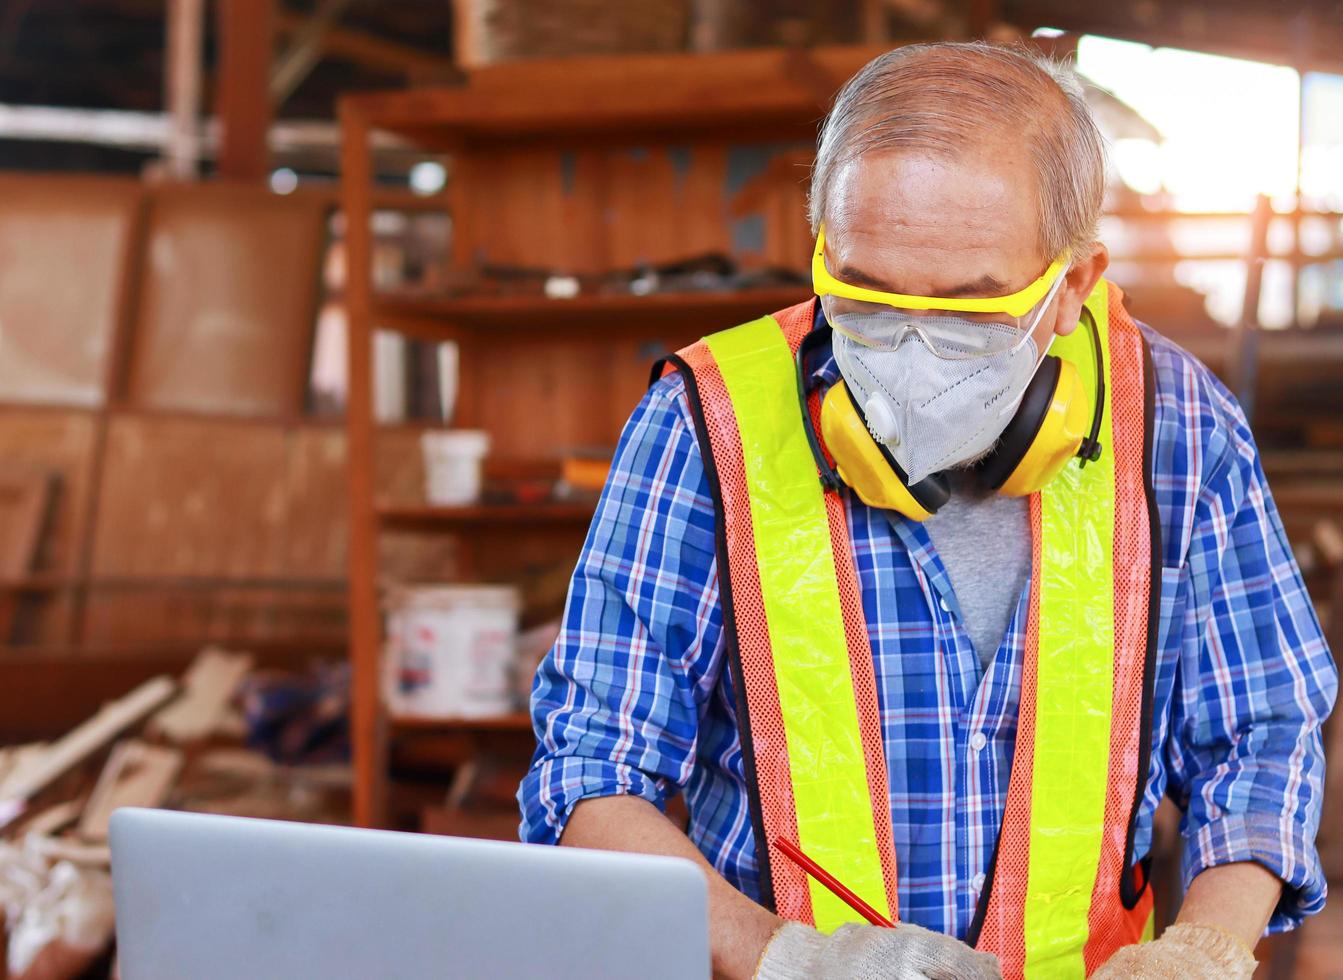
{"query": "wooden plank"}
[(113, 718), (53, 819), (57, 442), (485, 516), (65, 250), (182, 89), (304, 50), (135, 774), (316, 537), (25, 500), (191, 498), (208, 688), (45, 692), (226, 614), (228, 301), (703, 311), (246, 32), (377, 53), (783, 90)]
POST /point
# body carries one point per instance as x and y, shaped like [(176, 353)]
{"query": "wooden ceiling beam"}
[(246, 44), (304, 51), (184, 53), (390, 57), (1236, 31)]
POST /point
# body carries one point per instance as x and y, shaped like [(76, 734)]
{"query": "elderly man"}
[(946, 577)]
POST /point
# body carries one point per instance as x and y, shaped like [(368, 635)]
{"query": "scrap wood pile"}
[(225, 738)]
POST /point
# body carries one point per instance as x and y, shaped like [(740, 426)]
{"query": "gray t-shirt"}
[(984, 540)]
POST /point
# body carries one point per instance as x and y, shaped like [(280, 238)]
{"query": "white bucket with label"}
[(452, 463), (451, 650)]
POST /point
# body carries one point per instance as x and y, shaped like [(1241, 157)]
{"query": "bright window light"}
[(1229, 126), (1138, 163)]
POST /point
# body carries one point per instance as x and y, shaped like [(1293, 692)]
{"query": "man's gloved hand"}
[(858, 952), (1189, 951)]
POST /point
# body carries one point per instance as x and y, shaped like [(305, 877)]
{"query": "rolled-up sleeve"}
[(616, 703), (1255, 682)]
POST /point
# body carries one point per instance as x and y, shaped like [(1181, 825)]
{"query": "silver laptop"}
[(200, 897)]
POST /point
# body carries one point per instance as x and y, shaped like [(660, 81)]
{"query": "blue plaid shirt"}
[(635, 698)]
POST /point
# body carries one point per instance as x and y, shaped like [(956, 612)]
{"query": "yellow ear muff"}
[(1064, 425), (860, 461)]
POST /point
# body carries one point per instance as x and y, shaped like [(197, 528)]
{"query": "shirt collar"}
[(824, 372)]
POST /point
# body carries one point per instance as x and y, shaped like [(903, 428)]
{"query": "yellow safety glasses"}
[(1015, 305)]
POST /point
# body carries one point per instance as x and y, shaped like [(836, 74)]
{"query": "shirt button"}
[(977, 882), (977, 741), (946, 606)]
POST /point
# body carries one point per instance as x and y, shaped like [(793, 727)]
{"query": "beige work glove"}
[(1189, 951), (858, 952)]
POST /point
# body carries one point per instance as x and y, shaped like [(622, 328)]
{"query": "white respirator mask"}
[(936, 389)]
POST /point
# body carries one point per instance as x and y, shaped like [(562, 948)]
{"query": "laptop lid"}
[(208, 897)]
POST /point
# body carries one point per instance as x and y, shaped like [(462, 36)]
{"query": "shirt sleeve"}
[(616, 703), (1255, 680)]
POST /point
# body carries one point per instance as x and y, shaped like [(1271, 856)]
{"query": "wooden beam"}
[(876, 27), (182, 96), (246, 39), (980, 15), (304, 51), (373, 52)]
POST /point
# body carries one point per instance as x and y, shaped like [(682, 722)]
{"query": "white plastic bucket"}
[(451, 650), (452, 465)]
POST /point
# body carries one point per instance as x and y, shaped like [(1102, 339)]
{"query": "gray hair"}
[(943, 97)]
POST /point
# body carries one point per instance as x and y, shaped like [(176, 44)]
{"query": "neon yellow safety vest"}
[(1062, 893)]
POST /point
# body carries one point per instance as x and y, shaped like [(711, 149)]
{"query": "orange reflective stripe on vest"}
[(802, 655), (1056, 902)]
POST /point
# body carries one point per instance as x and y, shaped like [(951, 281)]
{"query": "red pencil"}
[(834, 884)]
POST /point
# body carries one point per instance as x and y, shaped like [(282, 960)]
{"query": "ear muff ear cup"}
[(866, 465), (1044, 434)]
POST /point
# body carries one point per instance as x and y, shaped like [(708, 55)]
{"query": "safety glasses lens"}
[(947, 334)]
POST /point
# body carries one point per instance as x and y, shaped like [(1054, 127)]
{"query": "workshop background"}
[(319, 320)]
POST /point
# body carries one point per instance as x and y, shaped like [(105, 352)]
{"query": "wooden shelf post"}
[(367, 731)]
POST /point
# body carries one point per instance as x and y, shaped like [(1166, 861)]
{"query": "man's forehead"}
[(932, 225)]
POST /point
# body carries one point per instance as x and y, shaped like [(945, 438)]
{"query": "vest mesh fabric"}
[(1132, 559), (769, 741)]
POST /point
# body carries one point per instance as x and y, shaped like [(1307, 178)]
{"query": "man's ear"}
[(1078, 283)]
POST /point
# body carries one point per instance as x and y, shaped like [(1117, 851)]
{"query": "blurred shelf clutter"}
[(224, 737), (600, 219)]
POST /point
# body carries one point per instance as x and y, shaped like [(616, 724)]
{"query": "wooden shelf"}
[(428, 518), (518, 721), (38, 582), (776, 90), (707, 310), (602, 163)]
